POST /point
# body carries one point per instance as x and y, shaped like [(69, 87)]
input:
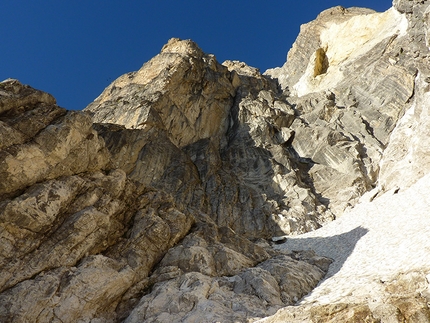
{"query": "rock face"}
[(241, 170), (397, 284), (81, 241), (350, 75), (158, 201), (73, 232)]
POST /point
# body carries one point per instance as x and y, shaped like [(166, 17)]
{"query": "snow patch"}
[(372, 243)]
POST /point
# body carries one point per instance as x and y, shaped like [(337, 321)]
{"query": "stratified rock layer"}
[(160, 211), (383, 244), (350, 106), (81, 241), (72, 231), (230, 156)]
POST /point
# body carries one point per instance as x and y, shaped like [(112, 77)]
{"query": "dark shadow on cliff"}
[(338, 247), (254, 181), (303, 166)]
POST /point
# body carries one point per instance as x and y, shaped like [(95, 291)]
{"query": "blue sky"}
[(74, 49)]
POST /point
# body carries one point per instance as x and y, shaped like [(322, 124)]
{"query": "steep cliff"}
[(162, 201), (226, 138), (81, 240), (380, 248)]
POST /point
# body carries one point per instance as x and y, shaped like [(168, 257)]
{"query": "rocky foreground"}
[(165, 199)]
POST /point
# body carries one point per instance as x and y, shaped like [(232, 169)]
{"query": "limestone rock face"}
[(241, 171), (40, 141), (406, 158), (72, 231), (271, 162), (396, 286), (250, 294), (350, 77), (83, 241), (182, 89), (194, 191)]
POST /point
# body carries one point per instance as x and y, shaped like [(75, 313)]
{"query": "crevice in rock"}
[(321, 62), (302, 167)]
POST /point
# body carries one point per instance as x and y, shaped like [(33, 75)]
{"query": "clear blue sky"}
[(74, 49)]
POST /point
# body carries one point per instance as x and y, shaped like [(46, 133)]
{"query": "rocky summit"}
[(198, 191)]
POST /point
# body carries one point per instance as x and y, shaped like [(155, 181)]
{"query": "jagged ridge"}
[(160, 210)]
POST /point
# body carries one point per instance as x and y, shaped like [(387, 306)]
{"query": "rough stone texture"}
[(257, 171), (252, 293), (181, 89), (42, 141), (350, 78), (407, 154), (88, 243), (214, 251), (161, 211), (74, 242), (308, 42), (83, 242), (148, 156), (242, 172), (395, 288)]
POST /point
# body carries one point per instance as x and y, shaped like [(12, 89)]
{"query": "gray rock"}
[(241, 172), (162, 210), (254, 292)]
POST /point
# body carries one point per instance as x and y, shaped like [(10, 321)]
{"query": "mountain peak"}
[(185, 47), (194, 191)]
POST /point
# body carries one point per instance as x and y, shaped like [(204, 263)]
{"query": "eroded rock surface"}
[(241, 171), (252, 293), (83, 241), (73, 232), (395, 288), (158, 202), (286, 151), (350, 105)]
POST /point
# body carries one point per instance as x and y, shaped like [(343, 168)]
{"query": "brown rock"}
[(240, 173), (342, 313), (176, 90), (150, 215), (61, 143)]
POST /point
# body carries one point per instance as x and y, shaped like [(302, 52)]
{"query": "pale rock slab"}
[(77, 240), (349, 96), (176, 88), (62, 143), (194, 297)]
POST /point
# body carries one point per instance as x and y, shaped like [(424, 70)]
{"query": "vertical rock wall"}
[(160, 210)]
